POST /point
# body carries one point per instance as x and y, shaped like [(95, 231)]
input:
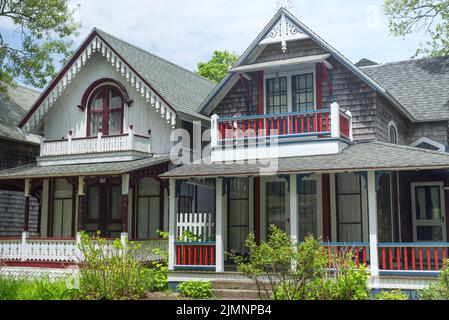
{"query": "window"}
[(148, 208), (349, 207), (276, 89), (307, 208), (275, 206), (392, 133), (105, 111), (303, 93), (186, 198), (238, 214), (62, 213)]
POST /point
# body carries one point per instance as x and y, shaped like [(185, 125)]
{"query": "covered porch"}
[(385, 202), (121, 200)]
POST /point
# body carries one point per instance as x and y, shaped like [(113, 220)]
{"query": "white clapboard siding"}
[(200, 224)]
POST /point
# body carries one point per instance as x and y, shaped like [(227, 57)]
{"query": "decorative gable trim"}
[(423, 140), (94, 43)]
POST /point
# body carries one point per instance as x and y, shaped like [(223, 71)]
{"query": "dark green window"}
[(303, 97), (276, 89)]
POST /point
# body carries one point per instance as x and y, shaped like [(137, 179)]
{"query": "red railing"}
[(283, 125), (340, 249), (195, 253), (419, 257)]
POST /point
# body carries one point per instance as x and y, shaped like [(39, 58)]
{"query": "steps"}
[(235, 290)]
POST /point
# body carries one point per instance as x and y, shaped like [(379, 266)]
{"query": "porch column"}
[(125, 193), (294, 232), (26, 216), (172, 225), (220, 227), (81, 197), (372, 218)]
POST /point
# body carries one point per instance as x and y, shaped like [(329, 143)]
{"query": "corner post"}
[(81, 196), (131, 137), (220, 226), (172, 225), (24, 247), (335, 120), (214, 130), (26, 215), (294, 232), (372, 218), (125, 193)]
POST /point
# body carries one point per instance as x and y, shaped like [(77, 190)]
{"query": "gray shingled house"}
[(16, 149)]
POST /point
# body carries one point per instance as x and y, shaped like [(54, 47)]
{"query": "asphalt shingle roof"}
[(14, 104), (356, 157), (420, 85), (108, 168), (183, 89)]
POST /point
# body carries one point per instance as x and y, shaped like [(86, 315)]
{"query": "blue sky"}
[(186, 32)]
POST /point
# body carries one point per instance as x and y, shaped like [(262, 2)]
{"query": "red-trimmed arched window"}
[(105, 111)]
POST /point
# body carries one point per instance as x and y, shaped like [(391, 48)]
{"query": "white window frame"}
[(289, 74), (415, 224), (441, 147), (393, 124)]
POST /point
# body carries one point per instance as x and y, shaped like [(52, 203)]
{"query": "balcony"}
[(94, 147), (323, 131)]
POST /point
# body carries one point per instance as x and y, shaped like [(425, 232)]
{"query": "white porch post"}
[(372, 218), (294, 232), (172, 225), (220, 227)]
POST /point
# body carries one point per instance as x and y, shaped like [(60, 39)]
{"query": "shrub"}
[(282, 270), (116, 272), (40, 289), (196, 289), (391, 295), (439, 290)]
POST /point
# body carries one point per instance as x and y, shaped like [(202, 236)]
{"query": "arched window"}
[(105, 111), (392, 133)]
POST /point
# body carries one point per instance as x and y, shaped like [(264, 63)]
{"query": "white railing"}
[(98, 144), (199, 224), (65, 250)]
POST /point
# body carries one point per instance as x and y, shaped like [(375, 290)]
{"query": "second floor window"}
[(105, 111), (276, 89), (302, 93), (392, 133)]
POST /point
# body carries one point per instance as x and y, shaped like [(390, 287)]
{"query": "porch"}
[(392, 218)]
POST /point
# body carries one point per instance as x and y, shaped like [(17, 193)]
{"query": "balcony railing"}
[(98, 144), (330, 122), (195, 254)]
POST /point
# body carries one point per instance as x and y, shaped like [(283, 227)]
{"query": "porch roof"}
[(356, 157), (90, 169)]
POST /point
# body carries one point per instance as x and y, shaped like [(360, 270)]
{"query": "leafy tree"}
[(37, 33), (428, 16), (218, 66)]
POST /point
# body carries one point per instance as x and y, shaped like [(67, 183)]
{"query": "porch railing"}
[(97, 144), (360, 250), (328, 122), (195, 254), (63, 249), (412, 257)]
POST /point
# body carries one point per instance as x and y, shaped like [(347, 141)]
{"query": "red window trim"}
[(106, 110)]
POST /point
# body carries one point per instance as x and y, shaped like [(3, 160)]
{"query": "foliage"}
[(196, 289), (428, 16), (117, 271), (39, 289), (218, 66), (282, 270), (439, 290), (188, 236), (391, 295)]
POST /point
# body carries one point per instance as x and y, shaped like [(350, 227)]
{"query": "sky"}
[(186, 32)]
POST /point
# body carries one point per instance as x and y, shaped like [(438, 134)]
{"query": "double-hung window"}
[(276, 89), (303, 97)]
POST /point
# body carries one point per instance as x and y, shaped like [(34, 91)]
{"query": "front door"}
[(428, 212), (238, 215), (276, 206)]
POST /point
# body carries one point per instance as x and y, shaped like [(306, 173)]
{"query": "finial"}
[(286, 4)]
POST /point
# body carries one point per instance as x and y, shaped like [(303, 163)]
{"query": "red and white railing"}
[(195, 254), (359, 250), (97, 144), (330, 122), (412, 257)]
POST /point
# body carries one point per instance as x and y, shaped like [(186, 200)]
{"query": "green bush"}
[(391, 295), (42, 289), (282, 270), (439, 290), (116, 273), (196, 289)]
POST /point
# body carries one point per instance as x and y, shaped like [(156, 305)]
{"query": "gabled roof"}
[(205, 107), (167, 87), (14, 104), (356, 157), (420, 85)]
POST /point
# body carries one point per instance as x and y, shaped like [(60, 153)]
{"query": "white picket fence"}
[(200, 224)]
